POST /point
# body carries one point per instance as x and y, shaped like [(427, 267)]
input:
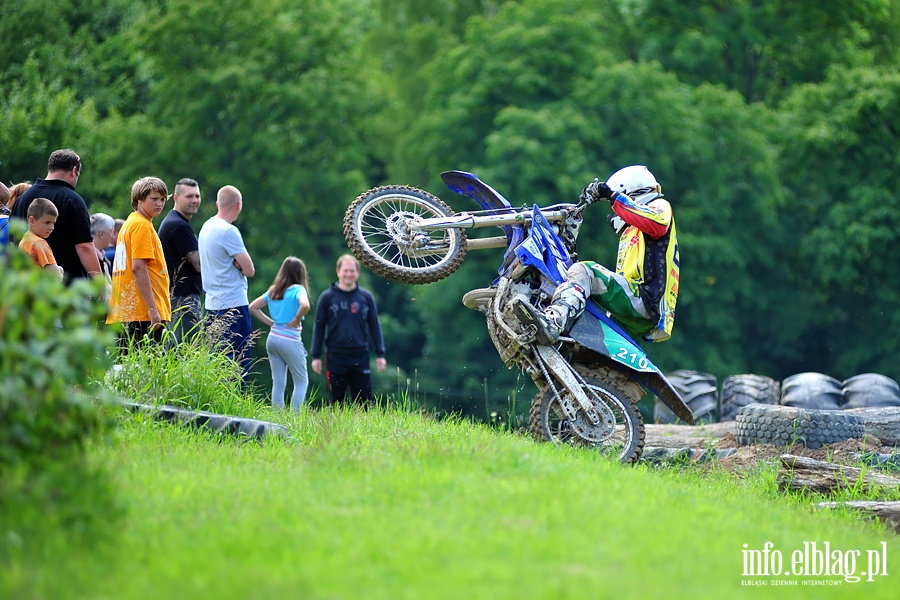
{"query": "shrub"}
[(195, 375), (51, 349)]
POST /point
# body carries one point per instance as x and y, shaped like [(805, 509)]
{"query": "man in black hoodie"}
[(344, 314)]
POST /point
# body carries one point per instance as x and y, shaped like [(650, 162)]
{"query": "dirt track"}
[(720, 436)]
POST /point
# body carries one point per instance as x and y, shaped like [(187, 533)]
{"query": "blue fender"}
[(469, 185)]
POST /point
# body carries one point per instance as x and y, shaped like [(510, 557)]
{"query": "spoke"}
[(381, 227)]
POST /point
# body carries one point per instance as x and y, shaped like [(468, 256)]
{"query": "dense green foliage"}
[(771, 125), (51, 353)]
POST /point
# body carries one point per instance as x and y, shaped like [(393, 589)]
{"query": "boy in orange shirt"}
[(140, 279), (41, 220)]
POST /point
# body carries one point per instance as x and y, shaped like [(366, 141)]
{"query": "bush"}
[(51, 349), (195, 375)]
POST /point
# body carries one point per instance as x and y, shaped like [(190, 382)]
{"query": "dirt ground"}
[(840, 453)]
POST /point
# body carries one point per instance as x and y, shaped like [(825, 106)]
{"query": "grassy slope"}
[(395, 505)]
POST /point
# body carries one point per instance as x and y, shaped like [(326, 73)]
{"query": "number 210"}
[(632, 358)]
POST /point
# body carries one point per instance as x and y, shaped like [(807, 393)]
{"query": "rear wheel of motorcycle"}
[(375, 227), (548, 421)]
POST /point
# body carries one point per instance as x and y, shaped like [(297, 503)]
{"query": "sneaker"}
[(548, 328)]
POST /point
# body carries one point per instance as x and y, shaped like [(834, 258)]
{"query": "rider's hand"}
[(597, 190), (602, 191)]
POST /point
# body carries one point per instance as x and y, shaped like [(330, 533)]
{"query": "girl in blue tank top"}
[(287, 301)]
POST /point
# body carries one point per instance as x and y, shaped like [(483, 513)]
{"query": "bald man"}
[(226, 267)]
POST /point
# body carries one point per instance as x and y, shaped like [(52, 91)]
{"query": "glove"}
[(597, 190)]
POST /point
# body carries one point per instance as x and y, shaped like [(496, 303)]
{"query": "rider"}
[(642, 292)]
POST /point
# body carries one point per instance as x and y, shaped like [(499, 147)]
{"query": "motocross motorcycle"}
[(590, 382)]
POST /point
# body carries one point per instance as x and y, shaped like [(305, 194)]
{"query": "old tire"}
[(870, 390), (739, 391), (699, 392), (375, 227), (813, 391), (786, 425), (239, 427), (547, 421)]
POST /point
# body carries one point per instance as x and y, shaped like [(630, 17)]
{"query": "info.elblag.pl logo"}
[(813, 560)]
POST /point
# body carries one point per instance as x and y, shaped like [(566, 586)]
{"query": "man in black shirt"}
[(180, 247), (71, 241), (345, 312)]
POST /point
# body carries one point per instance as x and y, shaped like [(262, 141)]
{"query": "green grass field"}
[(393, 504)]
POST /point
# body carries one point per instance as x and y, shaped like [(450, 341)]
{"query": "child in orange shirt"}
[(140, 279), (41, 220)]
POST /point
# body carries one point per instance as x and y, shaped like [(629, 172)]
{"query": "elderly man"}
[(71, 241)]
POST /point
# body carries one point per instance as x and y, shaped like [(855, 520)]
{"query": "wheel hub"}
[(583, 428), (396, 225)]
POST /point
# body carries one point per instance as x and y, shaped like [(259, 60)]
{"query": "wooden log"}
[(882, 422), (889, 512), (686, 436), (801, 473)]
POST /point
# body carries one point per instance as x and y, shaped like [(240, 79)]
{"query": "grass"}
[(393, 503), (390, 503)]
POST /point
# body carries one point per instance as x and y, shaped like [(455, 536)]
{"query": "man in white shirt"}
[(226, 267)]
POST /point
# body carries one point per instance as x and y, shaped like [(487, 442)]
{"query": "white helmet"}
[(635, 180)]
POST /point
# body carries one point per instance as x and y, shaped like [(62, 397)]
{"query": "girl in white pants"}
[(287, 300)]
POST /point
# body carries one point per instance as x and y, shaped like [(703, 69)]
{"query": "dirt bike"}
[(589, 384)]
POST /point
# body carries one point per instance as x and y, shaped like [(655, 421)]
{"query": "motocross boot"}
[(568, 303)]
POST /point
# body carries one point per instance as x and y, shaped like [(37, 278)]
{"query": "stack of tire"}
[(739, 391), (870, 390), (808, 391), (821, 392), (810, 411)]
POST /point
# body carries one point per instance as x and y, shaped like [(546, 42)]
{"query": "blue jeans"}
[(287, 355), (234, 327)]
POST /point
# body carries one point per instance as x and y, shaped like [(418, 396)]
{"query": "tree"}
[(37, 117), (760, 48), (842, 175)]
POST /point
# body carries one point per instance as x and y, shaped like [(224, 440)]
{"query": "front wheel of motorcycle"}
[(622, 439), (381, 229)]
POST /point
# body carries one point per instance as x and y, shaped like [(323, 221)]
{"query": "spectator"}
[(102, 228), (16, 191), (110, 250), (71, 240), (288, 300), (11, 195), (140, 291), (4, 218), (226, 267), (179, 244), (41, 221), (344, 313)]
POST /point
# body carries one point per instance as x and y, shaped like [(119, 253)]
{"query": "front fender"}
[(604, 337), (469, 185)]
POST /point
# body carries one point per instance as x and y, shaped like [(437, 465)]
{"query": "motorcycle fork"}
[(551, 361)]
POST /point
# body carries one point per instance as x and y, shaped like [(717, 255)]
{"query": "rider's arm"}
[(653, 218)]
